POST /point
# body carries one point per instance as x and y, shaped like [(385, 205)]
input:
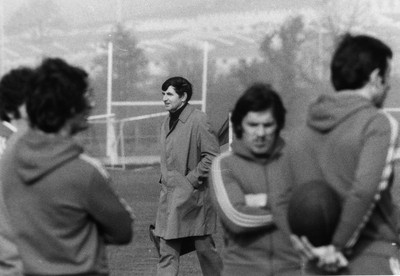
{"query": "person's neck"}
[(20, 124), (178, 110), (64, 132), (363, 92)]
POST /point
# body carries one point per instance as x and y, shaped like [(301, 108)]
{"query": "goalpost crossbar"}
[(145, 103)]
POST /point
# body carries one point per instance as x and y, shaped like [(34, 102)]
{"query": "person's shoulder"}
[(93, 164), (222, 161), (196, 111), (225, 160), (199, 116), (381, 121), (295, 136)]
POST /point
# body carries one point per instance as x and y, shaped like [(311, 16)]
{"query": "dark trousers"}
[(209, 259)]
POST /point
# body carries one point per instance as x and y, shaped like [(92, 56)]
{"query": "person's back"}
[(349, 142), (339, 129), (61, 204), (49, 201)]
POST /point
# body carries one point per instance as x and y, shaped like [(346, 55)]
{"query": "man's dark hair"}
[(180, 84), (354, 60), (14, 87), (257, 98), (59, 93)]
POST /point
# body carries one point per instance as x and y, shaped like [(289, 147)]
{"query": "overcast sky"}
[(79, 11)]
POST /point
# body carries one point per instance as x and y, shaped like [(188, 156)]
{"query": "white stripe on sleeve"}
[(235, 216)]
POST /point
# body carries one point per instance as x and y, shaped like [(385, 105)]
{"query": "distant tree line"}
[(294, 58)]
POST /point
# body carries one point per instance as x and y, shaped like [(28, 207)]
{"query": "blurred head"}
[(359, 60), (176, 92), (258, 118), (60, 96), (14, 87)]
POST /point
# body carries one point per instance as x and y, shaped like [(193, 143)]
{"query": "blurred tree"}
[(336, 18), (129, 68), (39, 19), (247, 73), (291, 63), (281, 50)]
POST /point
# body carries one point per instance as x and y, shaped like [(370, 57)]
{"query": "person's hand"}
[(327, 257)]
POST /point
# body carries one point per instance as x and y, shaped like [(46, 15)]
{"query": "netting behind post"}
[(136, 142), (100, 139), (139, 140), (94, 139)]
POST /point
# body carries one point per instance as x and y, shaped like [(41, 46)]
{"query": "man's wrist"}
[(192, 180)]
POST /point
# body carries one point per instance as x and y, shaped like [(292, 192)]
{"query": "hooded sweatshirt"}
[(61, 205), (256, 236), (349, 143), (10, 263)]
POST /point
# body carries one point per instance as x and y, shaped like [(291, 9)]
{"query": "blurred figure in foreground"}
[(349, 142), (14, 87), (185, 217), (61, 205), (248, 192)]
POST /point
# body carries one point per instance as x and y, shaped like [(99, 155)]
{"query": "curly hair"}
[(14, 88), (58, 94)]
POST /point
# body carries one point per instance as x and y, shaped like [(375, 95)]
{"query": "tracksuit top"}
[(62, 207), (256, 239), (351, 144)]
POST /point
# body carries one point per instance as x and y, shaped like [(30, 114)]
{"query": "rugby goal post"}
[(111, 142), (112, 152)]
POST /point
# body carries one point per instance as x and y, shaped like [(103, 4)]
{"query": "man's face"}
[(80, 121), (171, 99), (259, 131), (380, 96)]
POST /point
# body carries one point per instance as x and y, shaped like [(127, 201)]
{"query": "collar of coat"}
[(182, 117), (242, 150), (188, 109)]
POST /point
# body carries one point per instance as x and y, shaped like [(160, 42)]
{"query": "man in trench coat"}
[(185, 215)]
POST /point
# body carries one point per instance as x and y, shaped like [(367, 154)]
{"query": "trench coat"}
[(187, 150)]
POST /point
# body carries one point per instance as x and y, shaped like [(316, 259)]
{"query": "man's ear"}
[(375, 78), (22, 111), (184, 97)]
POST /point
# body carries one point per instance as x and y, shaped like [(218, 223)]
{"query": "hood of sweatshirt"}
[(38, 154), (328, 111)]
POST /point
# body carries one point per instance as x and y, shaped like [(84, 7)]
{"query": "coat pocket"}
[(184, 195)]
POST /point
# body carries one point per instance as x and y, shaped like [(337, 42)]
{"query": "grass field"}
[(140, 189)]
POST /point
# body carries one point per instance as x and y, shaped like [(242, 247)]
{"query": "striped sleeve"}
[(373, 175), (229, 199)]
